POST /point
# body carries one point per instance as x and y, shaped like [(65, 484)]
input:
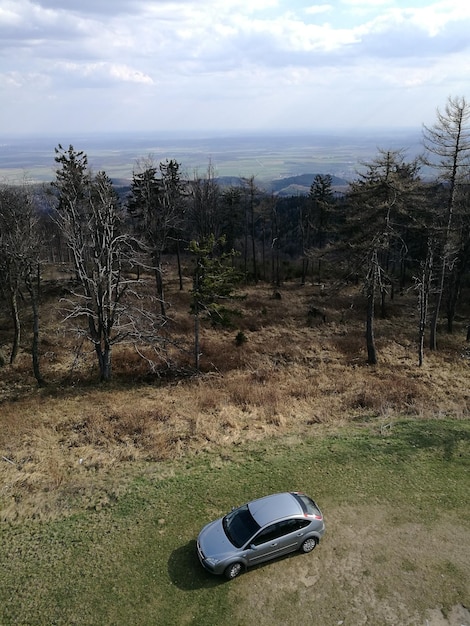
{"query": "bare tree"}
[(204, 206), (90, 219), (423, 286), (252, 196), (275, 243), (447, 145), (19, 263), (10, 263)]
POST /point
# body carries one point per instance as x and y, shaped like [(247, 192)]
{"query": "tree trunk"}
[(104, 360), (371, 287), (383, 306), (253, 245), (402, 273), (263, 251), (459, 269), (35, 343), (196, 342), (420, 344), (437, 307), (454, 290), (423, 300), (178, 258), (159, 281), (370, 338), (16, 326), (304, 271), (196, 288)]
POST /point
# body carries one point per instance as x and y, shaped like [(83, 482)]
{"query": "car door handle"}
[(273, 545), (300, 534)]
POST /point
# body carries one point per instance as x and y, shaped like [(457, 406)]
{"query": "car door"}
[(273, 541), (293, 531), (264, 545)]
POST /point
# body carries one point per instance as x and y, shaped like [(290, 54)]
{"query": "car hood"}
[(213, 540)]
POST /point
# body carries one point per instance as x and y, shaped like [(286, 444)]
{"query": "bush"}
[(240, 338)]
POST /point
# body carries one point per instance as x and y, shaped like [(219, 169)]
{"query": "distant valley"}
[(283, 164)]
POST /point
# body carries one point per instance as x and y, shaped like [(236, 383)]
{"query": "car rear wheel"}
[(233, 570), (309, 545)]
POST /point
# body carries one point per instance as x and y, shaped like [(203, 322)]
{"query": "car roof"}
[(270, 508)]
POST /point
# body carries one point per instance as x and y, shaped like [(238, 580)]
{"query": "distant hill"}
[(300, 185), (289, 186), (282, 187)]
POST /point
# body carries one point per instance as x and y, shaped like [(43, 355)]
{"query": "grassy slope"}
[(395, 501), (110, 540)]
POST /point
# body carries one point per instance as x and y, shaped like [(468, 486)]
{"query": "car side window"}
[(279, 530), (295, 525), (269, 534)]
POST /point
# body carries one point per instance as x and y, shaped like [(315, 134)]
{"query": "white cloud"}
[(24, 80), (431, 19), (319, 9), (234, 61), (101, 73), (127, 74), (367, 4)]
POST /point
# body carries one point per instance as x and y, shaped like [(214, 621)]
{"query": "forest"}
[(106, 253)]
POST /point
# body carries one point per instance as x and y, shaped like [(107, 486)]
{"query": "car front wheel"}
[(308, 545), (233, 570)]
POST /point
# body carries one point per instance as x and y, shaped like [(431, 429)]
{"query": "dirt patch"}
[(457, 616), (369, 569)]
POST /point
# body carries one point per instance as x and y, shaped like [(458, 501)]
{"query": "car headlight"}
[(212, 561)]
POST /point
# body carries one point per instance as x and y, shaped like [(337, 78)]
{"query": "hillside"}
[(104, 487), (301, 366)]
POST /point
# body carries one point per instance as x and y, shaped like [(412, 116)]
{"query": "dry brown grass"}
[(290, 375)]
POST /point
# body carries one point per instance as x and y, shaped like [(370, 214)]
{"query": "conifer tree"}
[(378, 202), (447, 145), (214, 278), (156, 206)]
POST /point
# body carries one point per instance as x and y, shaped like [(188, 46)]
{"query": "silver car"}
[(259, 531)]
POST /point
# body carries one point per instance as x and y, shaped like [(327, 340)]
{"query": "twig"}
[(8, 460), (385, 427)]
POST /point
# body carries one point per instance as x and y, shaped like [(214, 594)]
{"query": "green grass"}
[(134, 562)]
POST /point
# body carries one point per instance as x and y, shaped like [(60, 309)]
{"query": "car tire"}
[(233, 570), (309, 545)]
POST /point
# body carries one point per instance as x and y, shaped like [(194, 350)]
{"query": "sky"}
[(216, 66)]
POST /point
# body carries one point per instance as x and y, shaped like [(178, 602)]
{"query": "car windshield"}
[(239, 526)]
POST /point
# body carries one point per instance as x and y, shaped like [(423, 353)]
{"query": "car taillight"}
[(313, 516)]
